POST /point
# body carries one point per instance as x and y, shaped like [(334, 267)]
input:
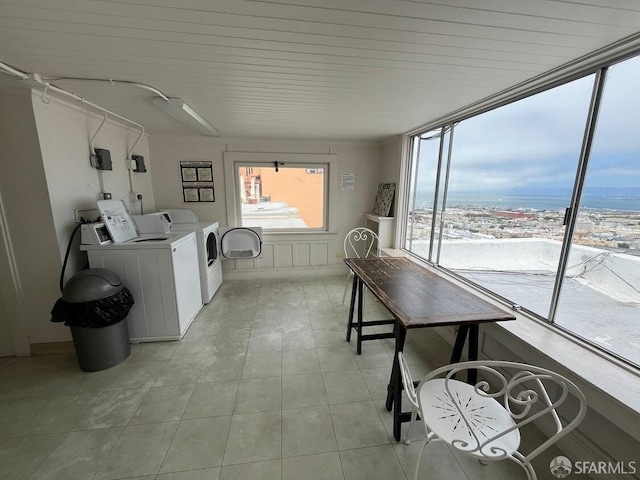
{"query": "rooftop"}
[(598, 300)]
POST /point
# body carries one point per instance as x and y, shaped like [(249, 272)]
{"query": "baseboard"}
[(52, 348)]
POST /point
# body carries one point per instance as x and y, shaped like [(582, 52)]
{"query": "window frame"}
[(234, 160)]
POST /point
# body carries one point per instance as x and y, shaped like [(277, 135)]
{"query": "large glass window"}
[(426, 150), (512, 173), (600, 295), (518, 211)]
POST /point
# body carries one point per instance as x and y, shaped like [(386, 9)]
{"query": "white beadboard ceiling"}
[(303, 69)]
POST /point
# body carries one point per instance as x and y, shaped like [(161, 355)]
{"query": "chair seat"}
[(486, 416)]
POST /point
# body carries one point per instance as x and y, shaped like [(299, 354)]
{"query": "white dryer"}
[(160, 270), (207, 235)]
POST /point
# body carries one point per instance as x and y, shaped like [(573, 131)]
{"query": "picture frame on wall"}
[(197, 181)]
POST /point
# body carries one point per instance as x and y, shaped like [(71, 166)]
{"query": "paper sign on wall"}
[(347, 181)]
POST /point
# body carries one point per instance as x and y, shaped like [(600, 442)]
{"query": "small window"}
[(279, 192)]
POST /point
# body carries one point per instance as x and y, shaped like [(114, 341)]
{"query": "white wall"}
[(30, 284), (45, 175), (64, 130), (6, 340), (391, 173), (364, 160), (391, 161)]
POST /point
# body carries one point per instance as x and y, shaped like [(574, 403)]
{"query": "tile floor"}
[(263, 386)]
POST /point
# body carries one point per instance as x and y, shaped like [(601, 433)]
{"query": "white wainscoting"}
[(290, 255)]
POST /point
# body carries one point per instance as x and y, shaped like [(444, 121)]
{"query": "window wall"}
[(539, 203)]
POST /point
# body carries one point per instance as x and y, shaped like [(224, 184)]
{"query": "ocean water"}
[(620, 202)]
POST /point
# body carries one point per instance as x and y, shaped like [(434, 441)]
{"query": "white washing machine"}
[(160, 270), (207, 234)]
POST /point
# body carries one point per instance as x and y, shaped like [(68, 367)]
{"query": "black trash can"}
[(95, 304)]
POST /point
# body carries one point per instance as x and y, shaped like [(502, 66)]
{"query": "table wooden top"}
[(418, 297)]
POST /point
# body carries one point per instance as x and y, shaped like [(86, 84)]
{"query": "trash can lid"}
[(91, 284)]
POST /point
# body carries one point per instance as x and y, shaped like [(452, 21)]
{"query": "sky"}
[(534, 145)]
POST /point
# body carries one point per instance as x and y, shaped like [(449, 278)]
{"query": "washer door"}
[(212, 249)]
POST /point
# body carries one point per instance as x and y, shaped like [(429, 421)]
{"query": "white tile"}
[(373, 463), (212, 399), (345, 387), (325, 466), (181, 370), (226, 367), (307, 431), (259, 395), (254, 437), (437, 458), (20, 457), (112, 409), (268, 364), (357, 425), (163, 404), (265, 342), (269, 470), (298, 340), (300, 361), (197, 444), (200, 474), (337, 359), (303, 391), (79, 455), (140, 450)]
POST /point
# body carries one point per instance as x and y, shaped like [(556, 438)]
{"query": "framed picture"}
[(384, 199), (189, 174), (190, 194), (197, 181), (206, 195)]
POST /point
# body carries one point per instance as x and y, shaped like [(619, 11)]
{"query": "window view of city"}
[(287, 197), (510, 184)]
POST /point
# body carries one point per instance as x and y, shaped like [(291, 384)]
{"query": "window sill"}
[(607, 382), (267, 235)]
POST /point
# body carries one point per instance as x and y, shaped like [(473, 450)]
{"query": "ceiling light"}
[(182, 112)]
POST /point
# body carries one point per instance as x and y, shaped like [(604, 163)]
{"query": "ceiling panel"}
[(303, 69)]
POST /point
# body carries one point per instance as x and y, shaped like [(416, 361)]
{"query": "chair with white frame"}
[(484, 420), (360, 242)]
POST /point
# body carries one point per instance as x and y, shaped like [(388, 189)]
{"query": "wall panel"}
[(319, 254), (284, 255), (301, 255)]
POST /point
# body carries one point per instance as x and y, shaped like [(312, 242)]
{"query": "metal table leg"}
[(352, 305), (456, 355), (394, 389), (360, 307), (472, 376), (473, 332)]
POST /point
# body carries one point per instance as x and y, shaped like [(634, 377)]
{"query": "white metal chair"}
[(360, 242), (484, 420)]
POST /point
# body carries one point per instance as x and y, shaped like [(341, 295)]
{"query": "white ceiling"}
[(303, 69)]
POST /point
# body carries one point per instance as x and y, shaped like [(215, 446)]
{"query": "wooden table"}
[(419, 298)]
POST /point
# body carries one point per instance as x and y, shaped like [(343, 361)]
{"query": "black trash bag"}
[(96, 313)]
